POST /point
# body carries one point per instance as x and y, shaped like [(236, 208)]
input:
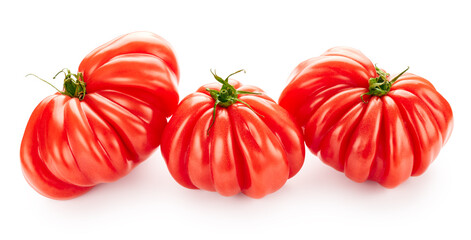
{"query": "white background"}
[(268, 39)]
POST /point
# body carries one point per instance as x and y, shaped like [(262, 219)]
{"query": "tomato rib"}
[(281, 124), (198, 159), (435, 103), (137, 42), (36, 172), (364, 142), (395, 158), (157, 88), (330, 73), (55, 149), (258, 144), (131, 133), (83, 144), (244, 177), (107, 137), (317, 99), (226, 171), (327, 115), (425, 138), (332, 148), (175, 148), (435, 120)]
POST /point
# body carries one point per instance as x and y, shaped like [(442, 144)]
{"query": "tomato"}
[(361, 121), (231, 138), (109, 117)]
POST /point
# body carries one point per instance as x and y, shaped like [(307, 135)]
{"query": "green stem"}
[(74, 86), (50, 84), (227, 95), (397, 77), (380, 85)]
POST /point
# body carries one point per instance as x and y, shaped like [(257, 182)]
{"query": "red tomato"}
[(108, 119), (396, 133), (232, 141)]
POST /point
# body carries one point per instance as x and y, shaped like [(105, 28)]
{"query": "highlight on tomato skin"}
[(107, 119), (232, 138), (362, 121)]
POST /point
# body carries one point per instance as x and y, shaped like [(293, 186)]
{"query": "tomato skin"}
[(243, 152), (388, 139), (71, 145)]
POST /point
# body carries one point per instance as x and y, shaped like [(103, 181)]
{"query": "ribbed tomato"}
[(360, 120), (109, 117), (231, 138)]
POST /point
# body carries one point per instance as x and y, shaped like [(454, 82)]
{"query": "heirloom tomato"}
[(231, 138), (360, 120), (108, 118)]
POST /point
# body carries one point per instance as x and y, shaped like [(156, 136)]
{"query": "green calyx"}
[(380, 85), (74, 86), (227, 95)]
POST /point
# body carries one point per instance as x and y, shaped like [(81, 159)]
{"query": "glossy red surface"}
[(69, 145), (244, 152), (388, 139)]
